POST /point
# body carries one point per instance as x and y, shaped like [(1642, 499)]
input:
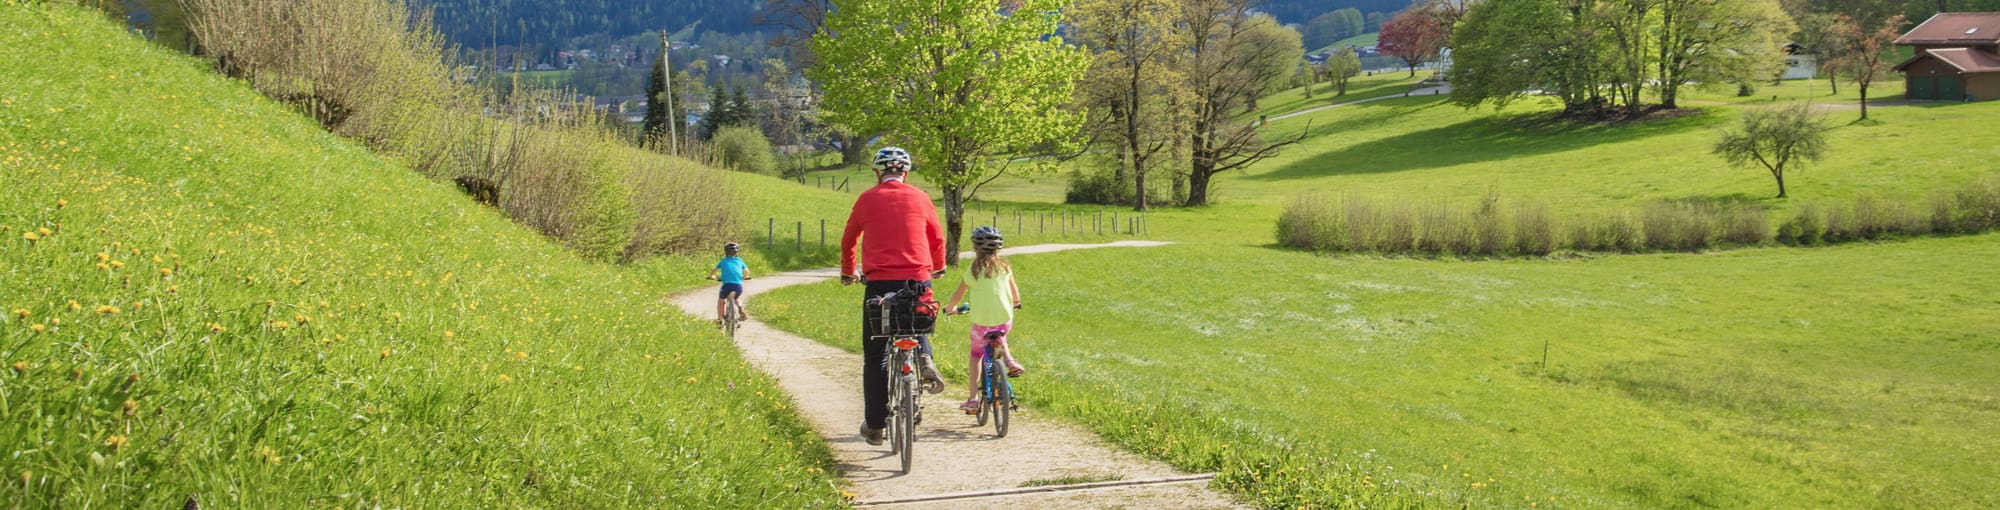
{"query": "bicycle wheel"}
[(894, 425), (907, 421), (729, 322), (985, 393), (1003, 400)]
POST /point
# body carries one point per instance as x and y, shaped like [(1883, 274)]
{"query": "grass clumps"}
[(372, 71), (1494, 228)]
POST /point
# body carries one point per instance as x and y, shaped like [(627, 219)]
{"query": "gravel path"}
[(955, 460)]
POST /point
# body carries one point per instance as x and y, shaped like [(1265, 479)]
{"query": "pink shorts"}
[(979, 339)]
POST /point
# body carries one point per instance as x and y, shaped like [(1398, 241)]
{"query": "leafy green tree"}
[(958, 82), (1718, 42), (1505, 48), (1343, 65), (1775, 139), (1234, 56), (1133, 82), (657, 118)]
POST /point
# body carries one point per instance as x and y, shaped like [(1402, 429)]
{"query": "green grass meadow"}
[(1856, 376), (209, 297)]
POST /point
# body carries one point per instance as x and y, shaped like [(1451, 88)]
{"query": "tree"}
[(1775, 139), (1413, 36), (1342, 66), (1133, 81), (1505, 48), (1717, 42), (1333, 26), (957, 82), (1860, 57), (1233, 56), (656, 125), (1817, 34)]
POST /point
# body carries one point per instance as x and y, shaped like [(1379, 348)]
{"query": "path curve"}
[(952, 455), (1426, 91)]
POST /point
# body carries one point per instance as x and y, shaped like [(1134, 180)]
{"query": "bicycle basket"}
[(908, 315)]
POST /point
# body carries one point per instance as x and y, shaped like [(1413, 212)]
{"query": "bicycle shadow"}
[(880, 463)]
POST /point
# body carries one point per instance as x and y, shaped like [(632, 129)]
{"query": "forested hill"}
[(488, 23), (1301, 11)]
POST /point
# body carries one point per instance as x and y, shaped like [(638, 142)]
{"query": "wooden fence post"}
[(771, 234), (799, 236), (822, 234)]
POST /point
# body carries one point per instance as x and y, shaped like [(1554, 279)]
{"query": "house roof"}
[(1955, 28), (1964, 59)]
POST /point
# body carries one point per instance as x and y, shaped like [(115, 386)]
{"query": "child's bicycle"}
[(732, 315), (996, 387), (903, 329)]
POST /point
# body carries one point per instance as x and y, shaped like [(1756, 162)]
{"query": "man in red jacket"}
[(905, 250)]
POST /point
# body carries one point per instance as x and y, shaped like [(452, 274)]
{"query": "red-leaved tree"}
[(1414, 36)]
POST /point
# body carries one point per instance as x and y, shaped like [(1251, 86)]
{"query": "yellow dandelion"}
[(521, 356), (449, 334), (166, 272), (281, 325), (691, 380), (45, 232), (21, 312), (103, 257), (102, 267), (61, 203), (117, 264), (131, 406), (116, 441), (38, 328), (215, 328), (385, 354), (173, 289), (107, 310), (27, 477), (74, 306), (30, 236), (20, 366), (504, 378), (302, 319)]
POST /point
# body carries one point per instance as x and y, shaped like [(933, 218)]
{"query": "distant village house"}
[(1955, 59)]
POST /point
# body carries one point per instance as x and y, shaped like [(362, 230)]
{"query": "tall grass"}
[(371, 70), (1364, 225), (1967, 209), (1494, 227)]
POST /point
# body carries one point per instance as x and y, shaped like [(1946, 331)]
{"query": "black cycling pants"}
[(875, 352)]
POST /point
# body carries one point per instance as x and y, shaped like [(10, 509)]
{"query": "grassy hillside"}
[(210, 297)]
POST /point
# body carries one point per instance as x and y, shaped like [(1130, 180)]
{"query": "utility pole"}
[(667, 69)]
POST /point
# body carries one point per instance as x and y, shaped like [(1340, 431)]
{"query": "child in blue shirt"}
[(731, 271)]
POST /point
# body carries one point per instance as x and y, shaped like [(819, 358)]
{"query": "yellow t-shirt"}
[(991, 304)]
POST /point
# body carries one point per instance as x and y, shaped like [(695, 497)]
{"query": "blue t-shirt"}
[(732, 269)]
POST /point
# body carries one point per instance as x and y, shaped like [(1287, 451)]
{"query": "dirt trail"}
[(961, 462)]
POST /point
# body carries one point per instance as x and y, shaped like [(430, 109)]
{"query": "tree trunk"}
[(1198, 175), (853, 149), (1780, 176), (1864, 102), (1833, 82), (1413, 69), (954, 222)]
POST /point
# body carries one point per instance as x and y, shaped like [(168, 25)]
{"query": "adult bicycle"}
[(905, 316)]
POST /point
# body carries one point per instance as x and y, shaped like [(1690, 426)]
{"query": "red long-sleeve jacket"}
[(904, 239)]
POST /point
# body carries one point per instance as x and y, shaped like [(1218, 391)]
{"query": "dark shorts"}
[(731, 288)]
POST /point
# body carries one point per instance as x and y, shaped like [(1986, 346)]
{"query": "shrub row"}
[(370, 70), (1493, 228)]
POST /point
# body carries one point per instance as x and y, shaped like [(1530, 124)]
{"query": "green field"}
[(1856, 376), (1359, 41), (208, 296)]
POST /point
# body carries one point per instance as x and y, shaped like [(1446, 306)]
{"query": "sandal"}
[(1014, 369), (971, 406)]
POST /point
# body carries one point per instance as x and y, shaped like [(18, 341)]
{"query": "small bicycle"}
[(996, 386), (732, 315)]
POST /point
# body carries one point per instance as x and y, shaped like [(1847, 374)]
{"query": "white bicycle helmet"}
[(889, 156)]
